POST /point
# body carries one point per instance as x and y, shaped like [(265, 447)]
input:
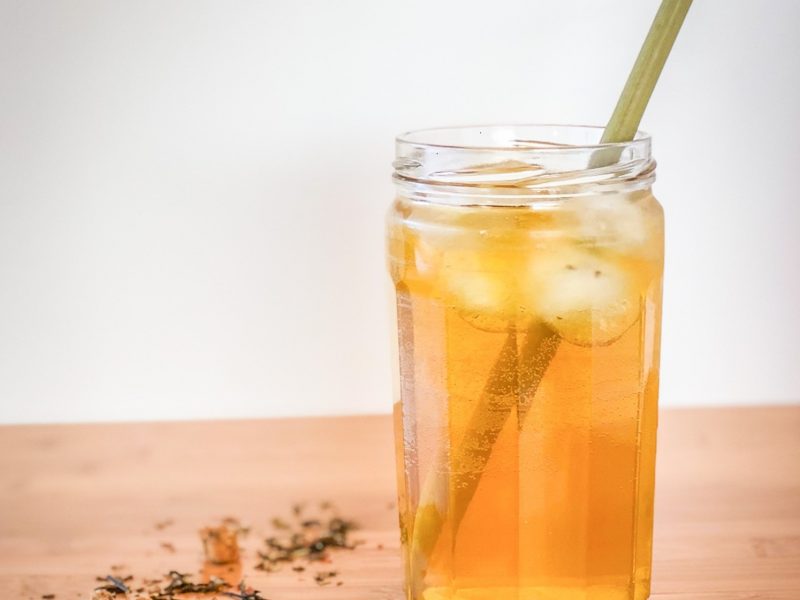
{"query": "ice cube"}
[(588, 299), (481, 287), (614, 220)]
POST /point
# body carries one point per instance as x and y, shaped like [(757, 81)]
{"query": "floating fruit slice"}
[(587, 299)]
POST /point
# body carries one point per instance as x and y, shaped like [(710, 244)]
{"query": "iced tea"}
[(528, 328)]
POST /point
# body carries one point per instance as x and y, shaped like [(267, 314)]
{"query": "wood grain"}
[(75, 500)]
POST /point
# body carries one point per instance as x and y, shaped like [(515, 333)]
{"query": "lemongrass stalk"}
[(443, 498), (624, 121), (446, 493)]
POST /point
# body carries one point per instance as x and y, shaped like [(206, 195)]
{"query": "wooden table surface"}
[(76, 499)]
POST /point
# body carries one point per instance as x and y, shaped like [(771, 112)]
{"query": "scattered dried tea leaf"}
[(311, 540), (181, 583), (114, 584), (324, 577), (236, 525), (245, 593), (168, 547)]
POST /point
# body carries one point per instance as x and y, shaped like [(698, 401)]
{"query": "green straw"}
[(624, 121), (542, 343)]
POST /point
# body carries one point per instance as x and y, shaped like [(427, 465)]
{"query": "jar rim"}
[(435, 137), (516, 162)]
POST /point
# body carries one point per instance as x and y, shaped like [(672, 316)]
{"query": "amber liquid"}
[(526, 441)]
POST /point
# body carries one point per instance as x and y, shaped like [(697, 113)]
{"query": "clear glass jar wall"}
[(527, 263)]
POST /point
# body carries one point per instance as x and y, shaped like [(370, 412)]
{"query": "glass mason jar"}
[(527, 263)]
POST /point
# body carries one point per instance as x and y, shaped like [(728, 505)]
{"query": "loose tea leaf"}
[(236, 525), (306, 538), (310, 539), (181, 584), (161, 525), (114, 584), (168, 547), (245, 593), (324, 577)]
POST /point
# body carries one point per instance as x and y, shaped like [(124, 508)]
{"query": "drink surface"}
[(528, 341)]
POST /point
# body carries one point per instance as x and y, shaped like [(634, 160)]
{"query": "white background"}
[(192, 193)]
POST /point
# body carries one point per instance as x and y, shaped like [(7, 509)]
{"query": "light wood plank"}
[(76, 499)]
